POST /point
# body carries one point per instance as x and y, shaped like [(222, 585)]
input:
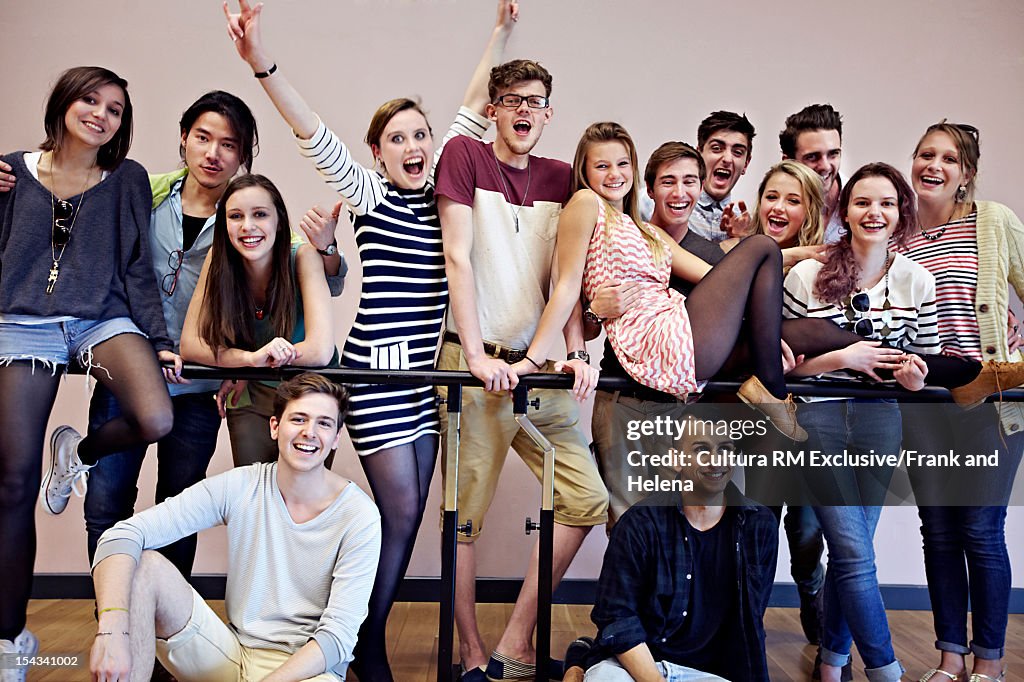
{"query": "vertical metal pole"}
[(545, 554), (449, 542)]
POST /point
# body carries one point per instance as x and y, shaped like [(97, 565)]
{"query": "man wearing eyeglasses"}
[(499, 208), (813, 136)]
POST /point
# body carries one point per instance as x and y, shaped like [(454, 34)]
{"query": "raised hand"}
[(736, 226), (318, 225), (244, 31)]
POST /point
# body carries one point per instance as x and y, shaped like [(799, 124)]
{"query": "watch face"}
[(330, 250)]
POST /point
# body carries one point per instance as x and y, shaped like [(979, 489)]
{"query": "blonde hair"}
[(812, 232), (607, 131)]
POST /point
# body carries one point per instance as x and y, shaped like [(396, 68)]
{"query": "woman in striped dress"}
[(667, 341), (394, 429), (975, 249)]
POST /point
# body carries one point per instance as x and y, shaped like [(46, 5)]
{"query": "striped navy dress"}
[(404, 288)]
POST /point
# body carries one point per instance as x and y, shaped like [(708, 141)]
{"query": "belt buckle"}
[(514, 355)]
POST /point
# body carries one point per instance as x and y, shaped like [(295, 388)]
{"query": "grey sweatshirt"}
[(106, 270), (287, 582)]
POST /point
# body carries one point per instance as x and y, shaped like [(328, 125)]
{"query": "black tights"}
[(27, 395), (743, 292), (815, 336), (400, 480), (736, 325)]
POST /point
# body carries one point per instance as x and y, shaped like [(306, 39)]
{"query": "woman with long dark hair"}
[(260, 302), (76, 285), (394, 429)]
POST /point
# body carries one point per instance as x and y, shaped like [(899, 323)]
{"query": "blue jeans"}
[(965, 546), (854, 610), (609, 670), (182, 458)]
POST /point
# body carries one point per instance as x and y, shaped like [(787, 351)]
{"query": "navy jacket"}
[(643, 593)]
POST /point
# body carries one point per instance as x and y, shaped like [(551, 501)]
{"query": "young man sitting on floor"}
[(303, 545)]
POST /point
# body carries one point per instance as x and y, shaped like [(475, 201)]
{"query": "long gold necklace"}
[(60, 230)]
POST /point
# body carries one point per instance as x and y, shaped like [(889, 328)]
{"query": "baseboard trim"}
[(495, 590)]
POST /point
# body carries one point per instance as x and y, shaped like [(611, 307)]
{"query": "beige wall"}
[(658, 67)]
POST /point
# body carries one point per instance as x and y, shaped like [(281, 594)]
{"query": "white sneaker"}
[(66, 473), (24, 644)]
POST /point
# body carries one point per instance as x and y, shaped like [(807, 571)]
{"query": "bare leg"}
[(472, 650), (161, 606), (517, 641)]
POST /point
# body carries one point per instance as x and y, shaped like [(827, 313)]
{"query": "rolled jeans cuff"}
[(829, 657), (887, 673), (952, 648), (987, 654)]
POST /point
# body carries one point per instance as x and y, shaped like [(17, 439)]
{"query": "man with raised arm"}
[(499, 207)]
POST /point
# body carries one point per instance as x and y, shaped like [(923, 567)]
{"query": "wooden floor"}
[(66, 627)]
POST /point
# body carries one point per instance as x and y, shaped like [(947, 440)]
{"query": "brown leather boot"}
[(994, 377), (781, 413)]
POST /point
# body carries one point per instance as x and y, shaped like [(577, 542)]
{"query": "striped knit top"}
[(952, 258), (404, 288), (912, 317), (287, 582)]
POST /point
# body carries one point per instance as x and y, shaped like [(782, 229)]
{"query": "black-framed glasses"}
[(63, 211), (856, 306), (170, 281), (532, 101)]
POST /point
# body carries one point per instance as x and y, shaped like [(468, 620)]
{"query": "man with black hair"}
[(726, 141), (813, 136)]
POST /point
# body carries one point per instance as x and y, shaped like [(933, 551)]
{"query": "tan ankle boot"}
[(994, 377), (781, 413)]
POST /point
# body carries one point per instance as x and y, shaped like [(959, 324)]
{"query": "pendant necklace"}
[(60, 228), (507, 194)]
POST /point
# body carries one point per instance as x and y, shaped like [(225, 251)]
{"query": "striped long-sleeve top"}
[(404, 288)]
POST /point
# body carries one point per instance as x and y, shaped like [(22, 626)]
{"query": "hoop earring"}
[(961, 194)]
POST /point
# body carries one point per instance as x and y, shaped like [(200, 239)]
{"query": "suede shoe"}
[(781, 413), (994, 377)]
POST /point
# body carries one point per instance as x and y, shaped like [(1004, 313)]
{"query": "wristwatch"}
[(331, 249), (579, 355), (590, 316)]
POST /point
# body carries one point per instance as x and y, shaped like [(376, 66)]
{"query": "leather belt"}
[(640, 392), (509, 355)]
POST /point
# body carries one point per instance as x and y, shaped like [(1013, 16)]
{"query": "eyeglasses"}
[(856, 306), (170, 281), (532, 101), (63, 211)]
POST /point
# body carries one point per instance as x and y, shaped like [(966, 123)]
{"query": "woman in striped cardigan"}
[(975, 249)]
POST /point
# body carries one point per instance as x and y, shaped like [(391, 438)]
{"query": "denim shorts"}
[(56, 343)]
